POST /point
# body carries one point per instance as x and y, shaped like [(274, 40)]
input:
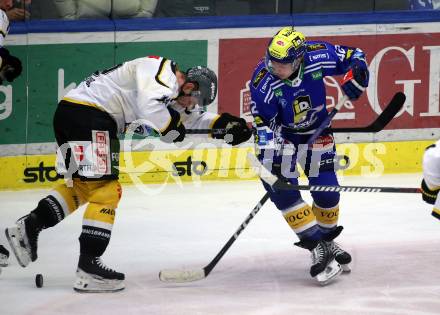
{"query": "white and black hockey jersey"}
[(138, 90), (431, 171)]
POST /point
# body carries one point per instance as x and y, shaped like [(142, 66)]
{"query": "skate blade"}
[(331, 272), (20, 253), (346, 268), (86, 283)]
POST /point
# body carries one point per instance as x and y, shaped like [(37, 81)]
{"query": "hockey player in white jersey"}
[(431, 178), (86, 124)]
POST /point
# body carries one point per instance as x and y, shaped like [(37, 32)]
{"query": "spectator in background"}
[(421, 5), (104, 9), (17, 10)]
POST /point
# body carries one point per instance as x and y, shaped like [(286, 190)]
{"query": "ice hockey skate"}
[(4, 255), (23, 239), (340, 255), (92, 276), (324, 267)]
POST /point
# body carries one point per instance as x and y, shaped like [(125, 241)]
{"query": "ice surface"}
[(393, 238)]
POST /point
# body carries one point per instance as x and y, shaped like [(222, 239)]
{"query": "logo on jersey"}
[(317, 75), (313, 58), (166, 100), (315, 47), (278, 93), (260, 75), (301, 106)]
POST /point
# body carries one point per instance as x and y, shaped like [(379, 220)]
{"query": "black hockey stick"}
[(182, 275), (280, 184), (179, 275), (377, 125), (383, 119)]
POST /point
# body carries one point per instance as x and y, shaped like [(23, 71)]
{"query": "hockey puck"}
[(39, 280)]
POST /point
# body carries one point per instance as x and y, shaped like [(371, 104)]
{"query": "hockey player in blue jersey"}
[(288, 104)]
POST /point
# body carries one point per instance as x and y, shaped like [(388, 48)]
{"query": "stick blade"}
[(394, 106), (180, 276)]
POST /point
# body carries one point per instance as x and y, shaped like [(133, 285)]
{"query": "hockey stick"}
[(179, 275), (280, 184), (182, 275), (377, 125)]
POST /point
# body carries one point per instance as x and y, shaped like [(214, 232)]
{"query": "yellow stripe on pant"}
[(326, 217), (299, 217)]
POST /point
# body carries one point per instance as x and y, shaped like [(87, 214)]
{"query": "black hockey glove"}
[(428, 195), (175, 131), (236, 129), (11, 66)]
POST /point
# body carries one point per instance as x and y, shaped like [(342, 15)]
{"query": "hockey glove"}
[(175, 131), (356, 79), (428, 195), (11, 66), (236, 129)]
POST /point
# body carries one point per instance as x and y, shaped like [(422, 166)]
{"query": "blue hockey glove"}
[(356, 79)]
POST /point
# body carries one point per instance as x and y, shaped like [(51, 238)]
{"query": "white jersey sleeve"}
[(140, 89), (4, 27), (156, 89)]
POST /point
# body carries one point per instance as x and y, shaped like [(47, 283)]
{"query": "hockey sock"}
[(327, 218), (302, 221), (96, 231)]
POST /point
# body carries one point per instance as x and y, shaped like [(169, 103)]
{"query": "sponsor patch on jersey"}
[(278, 93), (260, 75), (316, 47), (349, 53), (319, 56), (323, 143), (317, 75), (301, 106)]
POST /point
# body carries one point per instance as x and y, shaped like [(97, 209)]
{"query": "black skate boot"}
[(23, 238), (93, 276), (340, 255), (4, 255), (324, 267)]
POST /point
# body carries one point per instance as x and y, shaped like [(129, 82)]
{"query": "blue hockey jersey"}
[(294, 108)]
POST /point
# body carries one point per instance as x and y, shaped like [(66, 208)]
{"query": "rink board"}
[(196, 165)]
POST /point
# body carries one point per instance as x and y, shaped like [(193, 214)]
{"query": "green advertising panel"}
[(52, 70)]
